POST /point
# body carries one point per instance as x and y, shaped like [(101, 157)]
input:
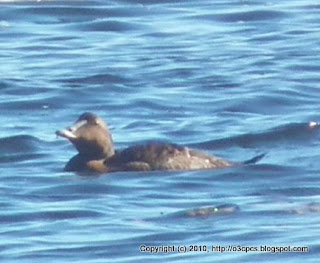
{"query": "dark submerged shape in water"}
[(91, 137)]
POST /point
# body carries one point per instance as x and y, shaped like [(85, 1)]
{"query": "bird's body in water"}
[(91, 137)]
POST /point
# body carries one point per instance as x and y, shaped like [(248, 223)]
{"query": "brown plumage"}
[(91, 137), (158, 156)]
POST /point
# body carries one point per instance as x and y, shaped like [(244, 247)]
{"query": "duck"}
[(92, 138)]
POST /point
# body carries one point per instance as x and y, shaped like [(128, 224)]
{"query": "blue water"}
[(234, 78)]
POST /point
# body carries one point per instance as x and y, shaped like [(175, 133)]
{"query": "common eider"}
[(92, 138)]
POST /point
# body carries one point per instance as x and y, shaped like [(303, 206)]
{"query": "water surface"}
[(233, 78)]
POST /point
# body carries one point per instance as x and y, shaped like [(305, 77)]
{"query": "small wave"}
[(18, 144), (14, 158), (95, 79), (82, 191), (247, 16), (257, 15), (49, 215), (21, 148), (109, 26), (295, 132)]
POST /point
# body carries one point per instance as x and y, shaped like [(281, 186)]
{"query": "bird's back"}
[(158, 156)]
